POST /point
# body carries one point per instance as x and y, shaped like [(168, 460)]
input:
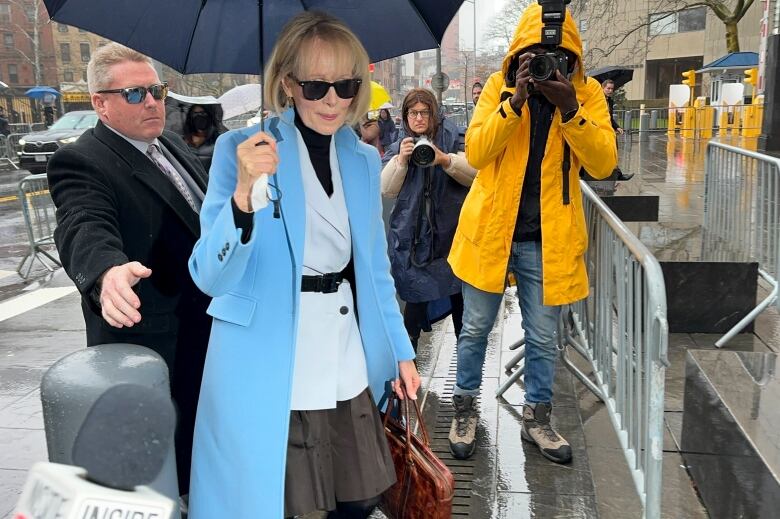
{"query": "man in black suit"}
[(128, 196)]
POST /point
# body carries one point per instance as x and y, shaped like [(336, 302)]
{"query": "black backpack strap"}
[(566, 166)]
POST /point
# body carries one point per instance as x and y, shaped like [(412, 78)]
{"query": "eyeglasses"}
[(136, 95), (414, 114), (316, 90)]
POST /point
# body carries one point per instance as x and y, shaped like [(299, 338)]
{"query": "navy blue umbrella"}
[(194, 36)]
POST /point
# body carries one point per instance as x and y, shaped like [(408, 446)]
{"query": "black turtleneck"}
[(318, 146), (319, 153)]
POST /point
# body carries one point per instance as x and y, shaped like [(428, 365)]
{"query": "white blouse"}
[(330, 365)]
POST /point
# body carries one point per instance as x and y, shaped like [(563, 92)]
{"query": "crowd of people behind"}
[(278, 390)]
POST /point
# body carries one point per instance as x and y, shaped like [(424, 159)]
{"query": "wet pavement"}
[(506, 478)]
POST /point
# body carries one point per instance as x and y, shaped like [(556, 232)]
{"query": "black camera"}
[(542, 67), (423, 153)]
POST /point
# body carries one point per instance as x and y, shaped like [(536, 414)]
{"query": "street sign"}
[(440, 81)]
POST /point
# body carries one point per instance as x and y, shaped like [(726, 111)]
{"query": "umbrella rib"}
[(425, 24), (192, 36)]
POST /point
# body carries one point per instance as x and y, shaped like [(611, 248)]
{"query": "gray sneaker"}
[(463, 431), (537, 429)]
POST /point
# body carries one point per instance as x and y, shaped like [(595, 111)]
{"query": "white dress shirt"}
[(330, 365)]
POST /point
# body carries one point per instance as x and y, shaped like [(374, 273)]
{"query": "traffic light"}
[(751, 76), (689, 78)]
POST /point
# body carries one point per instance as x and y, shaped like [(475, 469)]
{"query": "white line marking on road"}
[(25, 303), (6, 273)]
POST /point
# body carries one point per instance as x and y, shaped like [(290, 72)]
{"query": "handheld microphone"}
[(120, 447)]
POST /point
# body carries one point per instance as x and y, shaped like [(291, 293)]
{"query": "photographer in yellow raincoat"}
[(523, 214)]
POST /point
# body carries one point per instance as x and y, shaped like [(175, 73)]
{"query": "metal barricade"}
[(742, 215), (5, 153), (622, 330), (39, 218)]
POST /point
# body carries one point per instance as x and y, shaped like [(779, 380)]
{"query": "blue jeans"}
[(540, 323)]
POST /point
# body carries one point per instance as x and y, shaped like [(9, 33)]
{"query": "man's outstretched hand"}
[(118, 301)]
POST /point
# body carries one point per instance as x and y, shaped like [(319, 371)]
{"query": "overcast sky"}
[(485, 11)]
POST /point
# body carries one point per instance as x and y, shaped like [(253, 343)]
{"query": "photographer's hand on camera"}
[(442, 159), (405, 151), (255, 156), (522, 78), (559, 92)]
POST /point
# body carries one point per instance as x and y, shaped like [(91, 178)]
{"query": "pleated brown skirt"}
[(336, 454)]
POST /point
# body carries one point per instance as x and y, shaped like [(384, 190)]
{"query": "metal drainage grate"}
[(462, 470)]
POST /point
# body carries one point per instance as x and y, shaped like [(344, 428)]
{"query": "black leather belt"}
[(327, 283)]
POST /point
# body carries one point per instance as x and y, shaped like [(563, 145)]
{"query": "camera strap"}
[(566, 166), (424, 210)]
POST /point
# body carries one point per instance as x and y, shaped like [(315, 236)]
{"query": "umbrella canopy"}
[(379, 97), (240, 100), (39, 92), (224, 35), (620, 75)]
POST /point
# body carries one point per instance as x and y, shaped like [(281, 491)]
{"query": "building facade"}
[(27, 51), (660, 40)]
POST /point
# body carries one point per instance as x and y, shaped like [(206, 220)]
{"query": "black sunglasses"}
[(315, 90), (136, 95)]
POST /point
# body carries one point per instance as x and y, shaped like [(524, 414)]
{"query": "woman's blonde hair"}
[(287, 59)]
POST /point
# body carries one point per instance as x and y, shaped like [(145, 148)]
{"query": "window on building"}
[(84, 52), (65, 52), (583, 26), (680, 21), (692, 19), (84, 74), (8, 40), (30, 11), (67, 76), (5, 12), (13, 73), (663, 23), (61, 27)]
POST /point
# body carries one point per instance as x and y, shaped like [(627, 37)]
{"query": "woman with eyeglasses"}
[(307, 331), (425, 214)]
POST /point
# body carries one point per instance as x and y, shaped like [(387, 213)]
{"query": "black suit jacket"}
[(113, 206)]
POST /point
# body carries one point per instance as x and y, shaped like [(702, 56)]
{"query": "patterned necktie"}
[(154, 153)]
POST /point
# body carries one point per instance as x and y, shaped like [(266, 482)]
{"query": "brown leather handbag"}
[(424, 486)]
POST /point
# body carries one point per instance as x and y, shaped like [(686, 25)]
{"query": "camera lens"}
[(542, 67), (423, 154)]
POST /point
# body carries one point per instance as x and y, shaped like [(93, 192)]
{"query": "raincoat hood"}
[(529, 32)]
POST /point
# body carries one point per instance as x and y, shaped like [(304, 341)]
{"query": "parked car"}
[(37, 147)]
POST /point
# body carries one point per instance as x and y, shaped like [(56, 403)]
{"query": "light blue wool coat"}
[(241, 430)]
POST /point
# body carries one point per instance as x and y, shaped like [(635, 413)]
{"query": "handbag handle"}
[(404, 422)]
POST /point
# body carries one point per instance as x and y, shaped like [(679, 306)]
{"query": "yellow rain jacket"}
[(497, 144)]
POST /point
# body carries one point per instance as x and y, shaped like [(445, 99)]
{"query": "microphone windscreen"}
[(125, 437)]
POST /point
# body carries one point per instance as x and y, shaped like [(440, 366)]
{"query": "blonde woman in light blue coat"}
[(307, 331)]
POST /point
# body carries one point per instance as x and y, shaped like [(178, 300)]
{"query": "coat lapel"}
[(179, 150), (149, 175), (356, 182)]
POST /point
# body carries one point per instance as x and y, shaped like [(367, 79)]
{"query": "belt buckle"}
[(330, 283)]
